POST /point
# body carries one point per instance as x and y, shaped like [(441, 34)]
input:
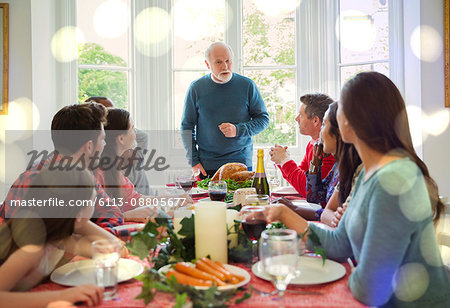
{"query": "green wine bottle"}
[(260, 180)]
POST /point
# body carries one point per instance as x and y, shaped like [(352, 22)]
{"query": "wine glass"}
[(279, 254), (274, 182), (185, 180), (253, 220), (217, 190)]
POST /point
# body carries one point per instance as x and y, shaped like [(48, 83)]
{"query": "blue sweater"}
[(209, 104), (388, 229)]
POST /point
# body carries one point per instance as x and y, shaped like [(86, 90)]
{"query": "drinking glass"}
[(106, 255), (274, 182), (257, 200), (253, 220), (186, 180), (279, 254), (217, 190)]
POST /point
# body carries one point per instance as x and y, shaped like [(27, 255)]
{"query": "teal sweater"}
[(388, 229), (207, 105)]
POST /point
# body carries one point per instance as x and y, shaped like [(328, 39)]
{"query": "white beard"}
[(223, 78)]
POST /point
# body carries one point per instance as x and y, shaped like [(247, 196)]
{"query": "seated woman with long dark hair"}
[(388, 226)]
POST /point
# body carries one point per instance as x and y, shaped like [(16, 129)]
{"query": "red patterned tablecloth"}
[(335, 294)]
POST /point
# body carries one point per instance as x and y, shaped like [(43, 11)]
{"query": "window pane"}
[(277, 88), (348, 72), (112, 84), (268, 34), (364, 30), (197, 24), (105, 26), (182, 81)]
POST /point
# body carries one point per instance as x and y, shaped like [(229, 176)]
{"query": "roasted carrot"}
[(206, 268), (185, 268), (185, 279), (239, 278), (213, 265)]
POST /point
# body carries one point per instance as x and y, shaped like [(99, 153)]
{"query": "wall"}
[(436, 149), (20, 74)]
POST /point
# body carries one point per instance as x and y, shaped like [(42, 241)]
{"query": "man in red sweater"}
[(309, 120)]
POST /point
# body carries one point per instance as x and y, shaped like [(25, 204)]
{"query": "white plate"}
[(231, 268), (196, 191), (305, 204), (81, 272), (286, 190), (311, 271), (123, 227)]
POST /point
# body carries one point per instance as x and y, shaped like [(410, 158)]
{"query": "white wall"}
[(436, 149), (20, 72)]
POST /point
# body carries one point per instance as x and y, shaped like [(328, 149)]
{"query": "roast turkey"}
[(234, 171)]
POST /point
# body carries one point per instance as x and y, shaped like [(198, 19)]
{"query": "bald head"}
[(219, 47)]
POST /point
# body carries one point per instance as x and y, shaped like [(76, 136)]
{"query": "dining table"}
[(331, 294)]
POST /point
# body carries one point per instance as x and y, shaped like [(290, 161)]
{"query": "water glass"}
[(217, 190), (279, 254), (257, 200), (106, 255)]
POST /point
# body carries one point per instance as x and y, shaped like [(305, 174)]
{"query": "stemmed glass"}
[(279, 254), (217, 190), (186, 180), (274, 181), (253, 220)]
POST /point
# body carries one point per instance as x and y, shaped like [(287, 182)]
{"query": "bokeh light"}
[(356, 30), (428, 246), (426, 43), (64, 44), (415, 125), (23, 115), (410, 282), (152, 28), (111, 19), (436, 123), (198, 19)]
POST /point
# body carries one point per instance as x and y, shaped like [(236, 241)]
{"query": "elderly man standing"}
[(223, 110), (310, 118)]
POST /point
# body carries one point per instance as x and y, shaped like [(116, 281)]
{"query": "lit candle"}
[(232, 237), (211, 231)]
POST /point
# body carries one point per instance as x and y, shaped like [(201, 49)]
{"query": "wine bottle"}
[(260, 180)]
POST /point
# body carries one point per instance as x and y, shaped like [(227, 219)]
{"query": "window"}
[(364, 37), (267, 50), (105, 63)]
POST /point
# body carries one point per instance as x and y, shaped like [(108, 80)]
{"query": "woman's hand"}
[(274, 212), (317, 154), (338, 215), (88, 293)]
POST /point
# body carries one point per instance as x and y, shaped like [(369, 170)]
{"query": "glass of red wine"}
[(217, 190), (186, 180), (253, 220)]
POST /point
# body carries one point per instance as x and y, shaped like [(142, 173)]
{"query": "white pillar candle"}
[(232, 237), (211, 231), (178, 216)]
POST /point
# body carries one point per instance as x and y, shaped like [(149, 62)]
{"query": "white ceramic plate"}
[(81, 272), (305, 204), (123, 227), (311, 271), (197, 191), (231, 268), (286, 190)]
